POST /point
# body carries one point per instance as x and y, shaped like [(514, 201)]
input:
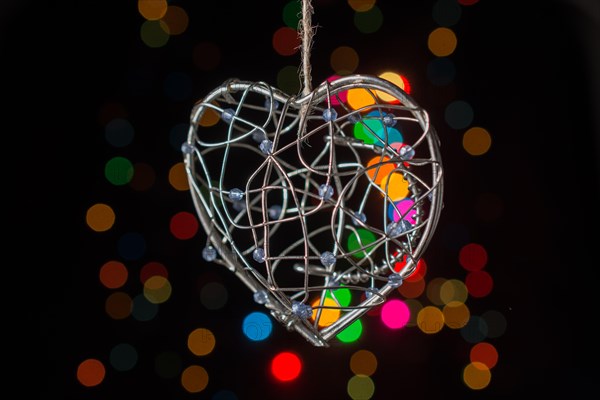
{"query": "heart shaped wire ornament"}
[(321, 208)]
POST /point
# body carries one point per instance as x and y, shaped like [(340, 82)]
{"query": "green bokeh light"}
[(118, 171)]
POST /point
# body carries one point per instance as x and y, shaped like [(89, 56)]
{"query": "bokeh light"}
[(351, 333), (412, 289), (184, 225), (467, 2), (368, 21), (473, 257), (152, 10), (484, 353), (359, 98), (433, 290), (477, 141), (119, 132), (142, 309), (475, 330), (100, 217), (397, 80), (118, 171), (113, 274), (118, 305), (91, 372), (453, 290), (194, 379), (378, 167), (175, 20), (257, 326), (288, 80), (213, 295), (286, 41), (417, 274), (291, 13), (178, 177), (286, 366), (361, 5), (341, 97), (201, 341), (458, 114), (414, 306), (344, 60), (326, 316), (167, 364), (361, 239), (430, 320), (157, 289), (395, 186), (446, 12), (361, 387), (153, 268), (363, 362), (479, 283), (477, 376), (403, 208), (456, 314), (153, 35), (442, 42), (496, 323), (395, 314), (123, 357)]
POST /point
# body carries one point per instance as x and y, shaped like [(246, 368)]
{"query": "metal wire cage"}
[(321, 204)]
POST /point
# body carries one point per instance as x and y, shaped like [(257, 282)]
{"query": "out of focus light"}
[(395, 314), (113, 274), (184, 225), (430, 320), (157, 289), (91, 372), (369, 21), (359, 98), (361, 5), (287, 79), (458, 114), (363, 362), (442, 42), (327, 316), (123, 357), (118, 305), (286, 366), (484, 353), (118, 171), (194, 379), (175, 20), (453, 290), (152, 10), (257, 326), (360, 239), (351, 333), (479, 283), (361, 387), (213, 295), (291, 14), (286, 41), (201, 341), (100, 217), (344, 60), (178, 177), (456, 315), (477, 375), (153, 35), (477, 141), (473, 257)]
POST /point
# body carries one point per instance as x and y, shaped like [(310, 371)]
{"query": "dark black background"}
[(529, 70)]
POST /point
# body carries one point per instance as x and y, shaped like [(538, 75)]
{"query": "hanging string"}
[(307, 34)]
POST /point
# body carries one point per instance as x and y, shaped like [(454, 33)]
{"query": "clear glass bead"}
[(397, 228), (354, 118), (187, 148), (395, 280), (275, 211), (228, 114), (406, 152), (359, 217), (209, 253), (261, 297), (304, 311), (266, 146), (259, 255), (389, 120), (258, 135), (236, 194), (329, 114), (325, 191), (328, 259)]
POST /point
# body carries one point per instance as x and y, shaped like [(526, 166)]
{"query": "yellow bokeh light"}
[(477, 141), (363, 362), (395, 186), (394, 78), (327, 316), (157, 289), (442, 42), (152, 10), (344, 60), (453, 290), (178, 177), (456, 314), (201, 341), (100, 217), (430, 320), (377, 173), (210, 117), (359, 98), (194, 379), (361, 5), (477, 375)]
